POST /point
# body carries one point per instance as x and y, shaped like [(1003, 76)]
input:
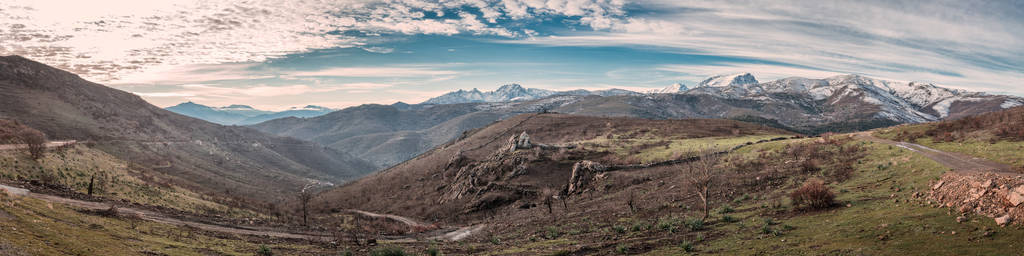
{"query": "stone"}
[(582, 173), (961, 219), (1015, 198), (1002, 221)]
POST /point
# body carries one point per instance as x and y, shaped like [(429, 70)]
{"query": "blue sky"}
[(275, 54)]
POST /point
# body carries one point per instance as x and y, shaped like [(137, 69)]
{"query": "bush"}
[(35, 140), (686, 246), (552, 233), (264, 251), (619, 229), (728, 219), (813, 194), (388, 251), (641, 226), (725, 209), (433, 252), (695, 224)]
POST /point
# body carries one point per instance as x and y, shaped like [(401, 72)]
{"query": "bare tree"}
[(35, 140), (701, 173), (305, 195)]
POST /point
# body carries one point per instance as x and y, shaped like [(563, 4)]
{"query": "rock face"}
[(582, 173), (485, 180)]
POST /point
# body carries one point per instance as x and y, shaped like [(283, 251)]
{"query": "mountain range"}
[(514, 92), (389, 134), (221, 161), (243, 114)]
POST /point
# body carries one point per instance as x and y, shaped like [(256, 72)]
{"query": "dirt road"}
[(50, 144), (960, 163), (452, 235), (160, 218)]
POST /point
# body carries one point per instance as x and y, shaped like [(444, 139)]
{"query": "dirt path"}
[(454, 235), (49, 144), (161, 218), (960, 163)]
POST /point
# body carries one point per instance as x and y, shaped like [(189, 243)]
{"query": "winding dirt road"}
[(49, 144), (451, 234), (959, 163)]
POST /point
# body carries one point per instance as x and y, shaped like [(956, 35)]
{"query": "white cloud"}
[(975, 45), (373, 72)]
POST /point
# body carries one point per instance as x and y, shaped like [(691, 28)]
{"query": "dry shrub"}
[(810, 166), (813, 194), (35, 140)]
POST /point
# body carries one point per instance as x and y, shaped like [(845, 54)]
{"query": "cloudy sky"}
[(275, 54)]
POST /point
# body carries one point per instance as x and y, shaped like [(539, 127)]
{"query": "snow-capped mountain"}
[(897, 101), (243, 114), (728, 80), (514, 92), (674, 88)]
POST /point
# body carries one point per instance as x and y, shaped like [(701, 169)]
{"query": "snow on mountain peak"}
[(674, 88), (728, 80)]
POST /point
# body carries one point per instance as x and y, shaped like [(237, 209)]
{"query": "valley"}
[(534, 176)]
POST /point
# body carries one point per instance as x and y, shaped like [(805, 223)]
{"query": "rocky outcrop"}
[(1000, 197), (583, 172), (476, 178)]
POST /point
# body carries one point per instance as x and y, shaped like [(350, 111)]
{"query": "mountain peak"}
[(728, 80), (674, 88), (508, 88)]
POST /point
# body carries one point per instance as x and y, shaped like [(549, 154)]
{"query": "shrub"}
[(728, 219), (619, 229), (810, 166), (552, 233), (813, 194), (667, 225), (433, 252), (641, 226), (264, 251), (687, 246), (695, 224), (388, 251), (35, 140), (725, 209)]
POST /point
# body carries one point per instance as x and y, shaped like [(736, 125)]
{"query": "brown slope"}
[(417, 187), (238, 161)]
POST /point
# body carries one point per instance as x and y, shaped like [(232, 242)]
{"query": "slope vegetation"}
[(200, 156)]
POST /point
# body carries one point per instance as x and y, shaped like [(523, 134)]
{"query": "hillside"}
[(431, 176), (236, 161), (389, 134), (997, 136), (561, 192)]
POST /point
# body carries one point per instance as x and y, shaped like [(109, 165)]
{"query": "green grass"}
[(873, 224), (40, 228), (636, 149), (75, 167), (1011, 153)]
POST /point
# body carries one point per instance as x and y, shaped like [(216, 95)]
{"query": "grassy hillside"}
[(879, 208), (200, 155), (33, 227)]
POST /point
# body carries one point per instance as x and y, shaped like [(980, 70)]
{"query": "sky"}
[(276, 54)]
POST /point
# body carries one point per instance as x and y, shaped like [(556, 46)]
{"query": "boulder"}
[(582, 173), (1016, 196), (1002, 221)]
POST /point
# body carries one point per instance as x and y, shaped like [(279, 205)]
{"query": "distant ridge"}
[(227, 161), (242, 114)]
